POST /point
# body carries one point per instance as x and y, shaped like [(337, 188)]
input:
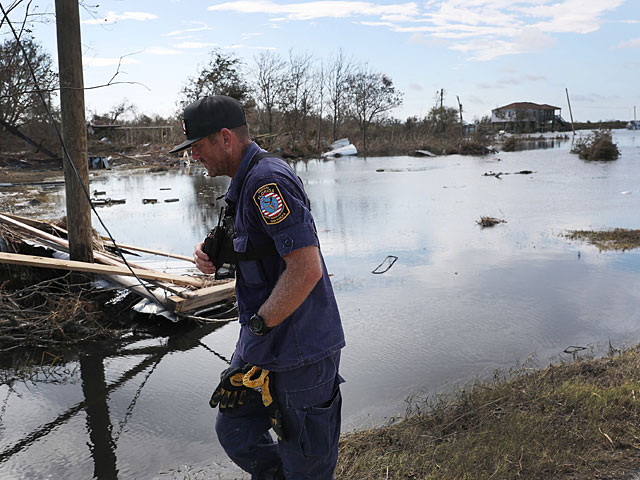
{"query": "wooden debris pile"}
[(29, 246), (57, 311)]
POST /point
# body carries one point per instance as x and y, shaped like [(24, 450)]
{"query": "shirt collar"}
[(233, 193)]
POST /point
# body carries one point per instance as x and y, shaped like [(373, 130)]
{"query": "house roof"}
[(527, 106)]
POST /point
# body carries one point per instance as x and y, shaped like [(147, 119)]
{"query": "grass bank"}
[(616, 239), (577, 420)]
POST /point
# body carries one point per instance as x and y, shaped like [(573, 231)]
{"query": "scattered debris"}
[(341, 148), (165, 188), (486, 222), (616, 239), (423, 153), (171, 200), (149, 200), (106, 202), (573, 351), (597, 146), (499, 174), (386, 264), (99, 162), (158, 169), (97, 192)]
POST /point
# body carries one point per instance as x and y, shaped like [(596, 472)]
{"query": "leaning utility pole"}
[(570, 112), (74, 130)]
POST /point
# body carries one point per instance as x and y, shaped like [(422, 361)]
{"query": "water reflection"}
[(142, 357)]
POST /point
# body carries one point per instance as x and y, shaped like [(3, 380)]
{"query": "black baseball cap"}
[(210, 115)]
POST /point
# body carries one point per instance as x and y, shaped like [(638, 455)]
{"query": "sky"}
[(487, 53)]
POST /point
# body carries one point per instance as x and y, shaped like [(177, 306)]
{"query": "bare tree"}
[(121, 109), (337, 75), (19, 99), (296, 98), (269, 77), (320, 93), (223, 75), (371, 94)]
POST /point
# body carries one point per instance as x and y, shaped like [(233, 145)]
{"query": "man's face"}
[(210, 154)]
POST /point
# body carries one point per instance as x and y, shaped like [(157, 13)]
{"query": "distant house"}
[(527, 117)]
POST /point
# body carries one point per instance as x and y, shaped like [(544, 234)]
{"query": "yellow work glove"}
[(230, 392), (258, 379)]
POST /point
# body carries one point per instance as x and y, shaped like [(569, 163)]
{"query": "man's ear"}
[(227, 137)]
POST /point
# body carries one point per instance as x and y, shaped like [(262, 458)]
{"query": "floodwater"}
[(459, 303)]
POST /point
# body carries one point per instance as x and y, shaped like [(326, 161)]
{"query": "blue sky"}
[(487, 52)]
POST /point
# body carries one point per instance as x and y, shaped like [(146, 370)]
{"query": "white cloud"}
[(572, 16), (195, 45), (633, 43), (113, 17), (162, 51), (481, 29), (238, 46), (318, 9), (198, 27), (107, 62)]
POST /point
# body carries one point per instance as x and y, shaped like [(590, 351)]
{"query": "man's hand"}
[(202, 260)]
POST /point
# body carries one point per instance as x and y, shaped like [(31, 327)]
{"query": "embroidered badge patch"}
[(271, 204)]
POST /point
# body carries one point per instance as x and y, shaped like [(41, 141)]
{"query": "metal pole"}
[(570, 112), (74, 129)]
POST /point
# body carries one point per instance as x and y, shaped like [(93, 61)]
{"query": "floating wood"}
[(44, 262), (200, 298)]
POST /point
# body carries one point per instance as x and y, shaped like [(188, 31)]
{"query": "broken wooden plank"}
[(61, 243), (154, 252), (44, 262), (39, 224), (200, 298)]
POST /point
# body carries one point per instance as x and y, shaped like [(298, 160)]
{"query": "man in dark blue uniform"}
[(290, 326)]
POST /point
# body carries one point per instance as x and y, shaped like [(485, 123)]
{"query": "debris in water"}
[(497, 175), (171, 200), (149, 200), (386, 264), (105, 202), (486, 222), (597, 146)]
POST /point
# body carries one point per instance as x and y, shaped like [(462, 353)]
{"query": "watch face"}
[(255, 324)]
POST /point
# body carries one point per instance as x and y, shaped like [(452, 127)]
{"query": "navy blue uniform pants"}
[(310, 401)]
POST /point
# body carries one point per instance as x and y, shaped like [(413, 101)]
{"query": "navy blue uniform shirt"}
[(272, 206)]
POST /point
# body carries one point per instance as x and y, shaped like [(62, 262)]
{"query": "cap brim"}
[(185, 144)]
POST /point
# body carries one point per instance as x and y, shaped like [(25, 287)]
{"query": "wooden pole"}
[(461, 123), (570, 112), (74, 129)]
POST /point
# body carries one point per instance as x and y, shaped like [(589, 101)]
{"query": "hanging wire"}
[(67, 157)]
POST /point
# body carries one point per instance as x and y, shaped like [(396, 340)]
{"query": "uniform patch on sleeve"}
[(271, 204)]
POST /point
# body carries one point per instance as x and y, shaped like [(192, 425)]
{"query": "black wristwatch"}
[(257, 325)]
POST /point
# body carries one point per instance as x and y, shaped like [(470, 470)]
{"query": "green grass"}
[(616, 239), (570, 421)]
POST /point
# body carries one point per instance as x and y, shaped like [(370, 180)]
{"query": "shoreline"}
[(575, 420)]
